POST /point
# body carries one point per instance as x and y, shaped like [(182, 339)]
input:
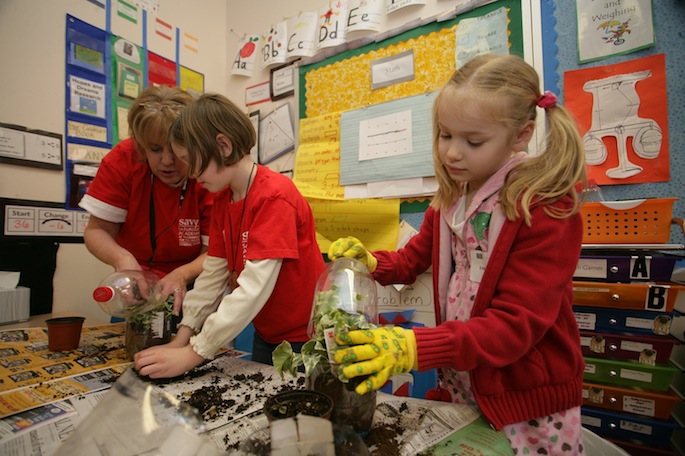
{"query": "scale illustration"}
[(614, 113)]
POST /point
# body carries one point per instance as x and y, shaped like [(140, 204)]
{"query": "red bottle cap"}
[(103, 294)]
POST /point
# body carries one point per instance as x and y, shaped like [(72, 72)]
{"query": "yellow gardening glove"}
[(351, 247), (379, 353)]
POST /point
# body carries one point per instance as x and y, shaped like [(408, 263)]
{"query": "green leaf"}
[(328, 313), (283, 358)]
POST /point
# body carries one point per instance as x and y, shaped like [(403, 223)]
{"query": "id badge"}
[(479, 260)]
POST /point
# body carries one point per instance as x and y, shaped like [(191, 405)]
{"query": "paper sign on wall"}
[(274, 46), (86, 97), (302, 37), (482, 35), (395, 5), (244, 62), (276, 135), (364, 17), (610, 28), (331, 24)]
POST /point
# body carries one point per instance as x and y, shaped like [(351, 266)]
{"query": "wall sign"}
[(282, 82), (392, 70), (25, 219), (35, 148)]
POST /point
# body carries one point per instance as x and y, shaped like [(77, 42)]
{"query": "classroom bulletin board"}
[(342, 83), (105, 73)]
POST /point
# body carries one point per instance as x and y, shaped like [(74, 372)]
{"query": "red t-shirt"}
[(120, 193), (277, 222)]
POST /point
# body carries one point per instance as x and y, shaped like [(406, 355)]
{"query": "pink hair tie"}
[(547, 100)]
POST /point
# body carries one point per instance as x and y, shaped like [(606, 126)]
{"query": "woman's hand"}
[(173, 284)]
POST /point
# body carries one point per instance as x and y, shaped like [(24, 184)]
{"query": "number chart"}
[(31, 219)]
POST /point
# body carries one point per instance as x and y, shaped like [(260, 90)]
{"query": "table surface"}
[(43, 393), (38, 321)]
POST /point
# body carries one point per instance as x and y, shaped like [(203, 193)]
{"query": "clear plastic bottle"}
[(135, 417), (127, 293), (345, 284), (592, 193), (345, 299)]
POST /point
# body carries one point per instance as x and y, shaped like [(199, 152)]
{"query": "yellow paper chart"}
[(372, 221), (317, 162)]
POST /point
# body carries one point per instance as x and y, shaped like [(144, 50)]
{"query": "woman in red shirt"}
[(144, 211)]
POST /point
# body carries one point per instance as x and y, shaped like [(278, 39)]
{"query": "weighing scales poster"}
[(622, 115)]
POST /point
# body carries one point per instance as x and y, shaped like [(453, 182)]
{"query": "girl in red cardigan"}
[(503, 236)]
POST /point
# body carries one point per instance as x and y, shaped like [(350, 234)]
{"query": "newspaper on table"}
[(440, 427), (32, 376), (240, 389)]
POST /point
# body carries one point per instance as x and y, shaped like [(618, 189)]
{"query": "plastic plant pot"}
[(288, 404), (64, 333)]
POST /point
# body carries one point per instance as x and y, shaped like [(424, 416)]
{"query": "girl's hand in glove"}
[(379, 353), (351, 247)]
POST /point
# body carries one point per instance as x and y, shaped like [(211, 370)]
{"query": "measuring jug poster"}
[(621, 111)]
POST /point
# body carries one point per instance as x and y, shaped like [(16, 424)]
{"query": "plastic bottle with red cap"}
[(124, 294)]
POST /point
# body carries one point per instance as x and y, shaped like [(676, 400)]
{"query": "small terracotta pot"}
[(64, 333), (288, 404)]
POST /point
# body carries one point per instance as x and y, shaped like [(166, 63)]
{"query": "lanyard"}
[(153, 237)]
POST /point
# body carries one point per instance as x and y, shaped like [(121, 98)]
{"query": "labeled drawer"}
[(642, 449), (643, 348), (625, 268), (653, 297), (621, 320), (628, 373), (630, 400), (630, 427)]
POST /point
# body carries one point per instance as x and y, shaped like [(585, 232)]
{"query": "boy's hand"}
[(164, 361)]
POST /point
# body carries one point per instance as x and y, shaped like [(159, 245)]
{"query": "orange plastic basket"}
[(643, 221)]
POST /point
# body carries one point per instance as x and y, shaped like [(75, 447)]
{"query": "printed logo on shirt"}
[(243, 245), (188, 232)]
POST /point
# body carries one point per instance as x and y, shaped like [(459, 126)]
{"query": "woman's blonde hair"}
[(508, 89), (197, 128), (153, 112)]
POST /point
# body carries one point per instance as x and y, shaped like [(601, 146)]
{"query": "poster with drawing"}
[(274, 46), (244, 62), (364, 17), (276, 135), (607, 28), (621, 112), (302, 35), (331, 24)]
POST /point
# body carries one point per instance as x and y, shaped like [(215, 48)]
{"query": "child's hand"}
[(351, 247), (379, 353), (164, 361)]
